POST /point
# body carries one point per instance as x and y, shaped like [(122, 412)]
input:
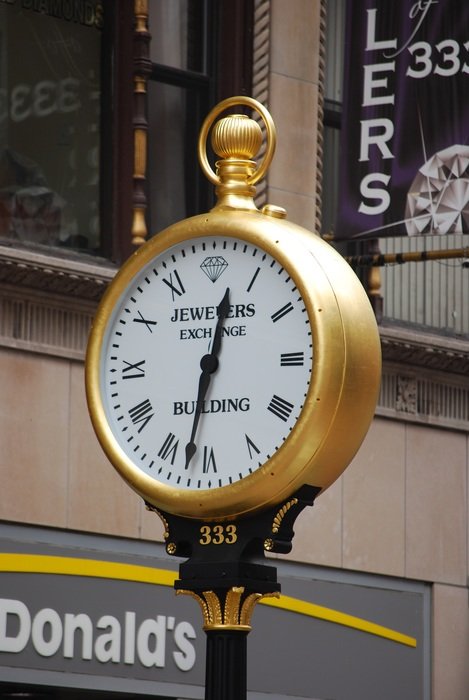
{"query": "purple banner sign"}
[(404, 166)]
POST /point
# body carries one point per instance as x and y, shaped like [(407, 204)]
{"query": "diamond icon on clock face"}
[(214, 266)]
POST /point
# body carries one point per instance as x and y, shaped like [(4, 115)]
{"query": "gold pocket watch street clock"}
[(235, 356)]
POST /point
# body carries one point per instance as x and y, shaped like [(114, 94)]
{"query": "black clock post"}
[(226, 572)]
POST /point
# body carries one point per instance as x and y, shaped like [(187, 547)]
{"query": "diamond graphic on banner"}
[(438, 199), (214, 266)]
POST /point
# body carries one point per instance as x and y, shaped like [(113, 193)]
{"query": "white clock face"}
[(206, 363)]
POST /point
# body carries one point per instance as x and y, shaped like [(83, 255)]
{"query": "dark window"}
[(201, 52), (50, 112), (67, 114)]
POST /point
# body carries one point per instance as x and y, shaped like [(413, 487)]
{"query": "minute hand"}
[(208, 365), (222, 312)]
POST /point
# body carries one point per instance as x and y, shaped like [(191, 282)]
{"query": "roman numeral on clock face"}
[(292, 359), (175, 284), (209, 460), (282, 312), (133, 370), (280, 407), (251, 446), (141, 414), (145, 321), (169, 448)]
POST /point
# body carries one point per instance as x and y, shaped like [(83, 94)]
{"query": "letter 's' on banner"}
[(404, 166)]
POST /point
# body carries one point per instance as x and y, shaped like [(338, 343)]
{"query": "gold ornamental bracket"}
[(236, 139), (229, 610)]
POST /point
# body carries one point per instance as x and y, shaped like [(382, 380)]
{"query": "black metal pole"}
[(227, 576), (226, 665)]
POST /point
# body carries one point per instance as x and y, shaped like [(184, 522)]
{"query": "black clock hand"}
[(208, 365), (222, 312)]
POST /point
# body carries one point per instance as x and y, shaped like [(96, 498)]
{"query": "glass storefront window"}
[(167, 111), (179, 90), (50, 89), (177, 28), (175, 186)]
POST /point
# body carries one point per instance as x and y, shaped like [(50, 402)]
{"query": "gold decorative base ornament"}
[(227, 610)]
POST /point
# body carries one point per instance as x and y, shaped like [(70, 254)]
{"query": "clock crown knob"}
[(236, 136), (236, 139)]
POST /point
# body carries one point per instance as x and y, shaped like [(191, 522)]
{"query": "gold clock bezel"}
[(345, 375)]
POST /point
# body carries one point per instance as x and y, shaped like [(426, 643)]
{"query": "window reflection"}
[(49, 122), (178, 96), (177, 28)]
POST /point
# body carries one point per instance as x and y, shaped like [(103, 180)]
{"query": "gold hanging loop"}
[(271, 137)]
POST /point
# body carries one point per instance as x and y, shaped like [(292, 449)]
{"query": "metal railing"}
[(433, 294)]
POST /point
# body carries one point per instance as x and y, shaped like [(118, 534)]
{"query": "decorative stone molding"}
[(47, 302), (406, 397), (424, 396), (320, 114), (260, 78), (44, 323), (422, 349), (425, 377), (70, 276)]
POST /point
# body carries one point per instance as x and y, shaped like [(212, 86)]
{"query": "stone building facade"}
[(400, 510)]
